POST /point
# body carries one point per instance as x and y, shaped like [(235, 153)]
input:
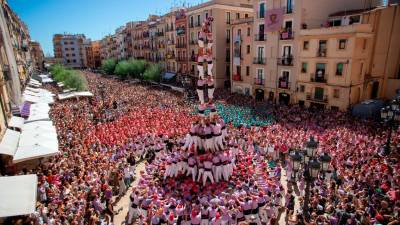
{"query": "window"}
[(364, 44), (73, 54), (198, 20), (248, 32), (262, 10), (247, 70), (191, 22), (306, 45), (228, 18), (260, 74), (206, 15), (248, 49), (228, 35), (334, 108), (68, 61), (354, 19), (74, 60), (227, 70), (71, 42), (342, 43), (339, 69), (239, 32), (66, 49), (304, 66), (72, 49), (67, 54), (289, 6), (336, 93), (246, 15), (237, 16), (238, 70), (302, 88)]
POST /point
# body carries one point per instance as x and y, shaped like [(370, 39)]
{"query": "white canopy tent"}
[(74, 94), (16, 122), (18, 195), (9, 143), (33, 151)]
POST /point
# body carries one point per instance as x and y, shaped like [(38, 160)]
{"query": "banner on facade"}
[(273, 19), (236, 50)]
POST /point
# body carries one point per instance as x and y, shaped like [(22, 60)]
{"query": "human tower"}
[(204, 155)]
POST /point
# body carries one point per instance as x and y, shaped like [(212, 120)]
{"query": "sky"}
[(94, 18)]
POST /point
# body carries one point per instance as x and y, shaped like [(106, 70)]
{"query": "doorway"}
[(259, 95), (375, 89), (284, 98)]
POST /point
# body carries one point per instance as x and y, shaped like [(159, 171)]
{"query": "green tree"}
[(123, 69), (138, 68), (108, 66), (152, 73)]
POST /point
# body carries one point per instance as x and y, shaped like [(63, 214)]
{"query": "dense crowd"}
[(102, 138)]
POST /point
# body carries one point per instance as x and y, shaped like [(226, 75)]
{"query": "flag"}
[(273, 19)]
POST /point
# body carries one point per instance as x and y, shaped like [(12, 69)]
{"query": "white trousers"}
[(200, 176), (225, 172), (207, 175), (218, 173), (200, 94), (218, 144), (188, 141), (132, 213), (193, 171), (209, 144)]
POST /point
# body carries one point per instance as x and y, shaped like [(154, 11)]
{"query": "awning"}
[(368, 109), (16, 122), (168, 76), (34, 151), (74, 94), (18, 195), (9, 143)]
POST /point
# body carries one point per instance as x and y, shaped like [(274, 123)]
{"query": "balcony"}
[(197, 24), (287, 35), (237, 77), (180, 45), (321, 52), (316, 98), (181, 59), (318, 78), (283, 84), (259, 81), (285, 61), (259, 60), (170, 56), (159, 34), (260, 37), (170, 42), (193, 58)]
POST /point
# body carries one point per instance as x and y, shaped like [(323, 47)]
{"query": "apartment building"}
[(223, 12), (105, 47), (242, 56), (88, 60), (160, 43), (37, 55), (17, 61), (119, 48), (170, 38), (181, 43), (334, 62), (70, 48), (96, 54)]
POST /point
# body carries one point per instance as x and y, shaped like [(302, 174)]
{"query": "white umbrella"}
[(33, 151)]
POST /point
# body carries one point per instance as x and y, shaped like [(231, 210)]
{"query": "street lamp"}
[(391, 117), (313, 167)]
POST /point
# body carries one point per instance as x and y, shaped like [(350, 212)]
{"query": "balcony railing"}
[(260, 37), (237, 77), (228, 59), (228, 40), (259, 60), (318, 78), (259, 81), (193, 58), (287, 35), (180, 45), (193, 42), (321, 52), (285, 61), (170, 42), (316, 98), (181, 59), (284, 84)]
